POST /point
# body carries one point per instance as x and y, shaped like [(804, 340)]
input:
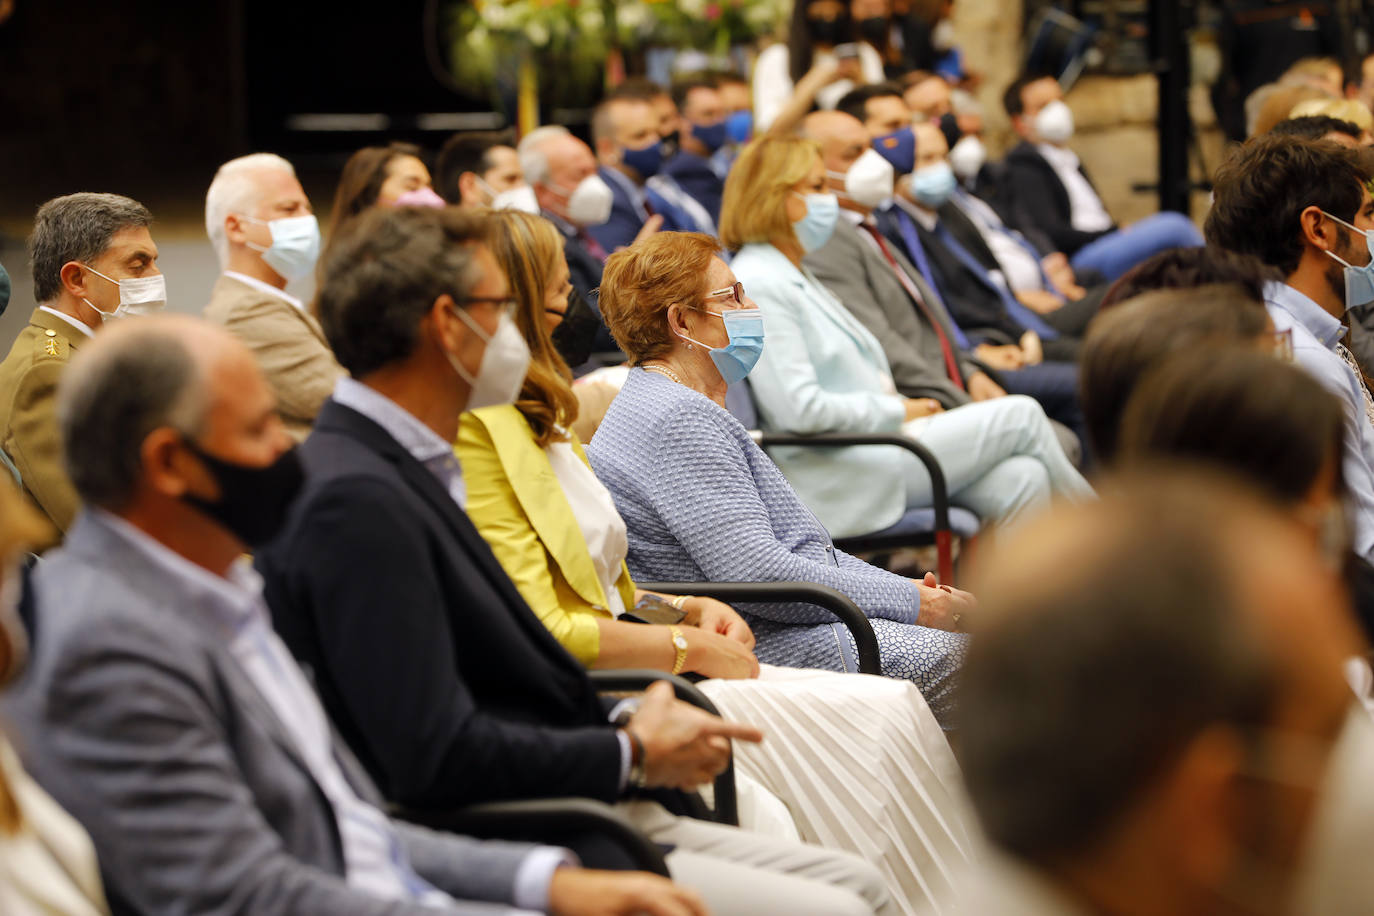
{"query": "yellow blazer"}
[(516, 502)]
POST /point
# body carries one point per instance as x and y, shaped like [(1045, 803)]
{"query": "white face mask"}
[(943, 37), (1054, 123), (504, 363), (869, 180), (968, 156), (295, 245), (590, 202), (521, 198), (137, 295)]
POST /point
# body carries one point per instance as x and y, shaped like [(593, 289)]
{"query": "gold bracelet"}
[(679, 601)]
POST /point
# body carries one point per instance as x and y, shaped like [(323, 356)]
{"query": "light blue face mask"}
[(735, 360), (295, 245), (1359, 281), (933, 184), (815, 228)]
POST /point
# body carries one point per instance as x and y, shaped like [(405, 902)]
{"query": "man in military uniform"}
[(93, 258)]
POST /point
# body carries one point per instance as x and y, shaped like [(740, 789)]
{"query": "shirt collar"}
[(855, 217), (423, 443), (267, 288), (79, 325), (926, 218), (629, 187), (1060, 157), (1326, 327), (234, 599)]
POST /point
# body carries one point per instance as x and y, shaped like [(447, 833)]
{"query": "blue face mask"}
[(739, 127), (1359, 281), (932, 185), (735, 360), (898, 148), (646, 160), (712, 136), (295, 245), (815, 228)]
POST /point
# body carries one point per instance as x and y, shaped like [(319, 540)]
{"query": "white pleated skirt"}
[(860, 764)]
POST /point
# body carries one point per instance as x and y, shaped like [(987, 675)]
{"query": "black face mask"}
[(830, 31), (253, 501), (672, 142), (949, 126), (575, 336), (876, 30)]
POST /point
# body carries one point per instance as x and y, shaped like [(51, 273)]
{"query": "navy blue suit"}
[(628, 214)]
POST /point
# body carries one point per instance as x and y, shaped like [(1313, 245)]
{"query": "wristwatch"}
[(680, 644)]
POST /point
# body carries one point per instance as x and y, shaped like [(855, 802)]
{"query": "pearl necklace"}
[(664, 370)]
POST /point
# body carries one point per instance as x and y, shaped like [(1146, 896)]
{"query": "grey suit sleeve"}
[(843, 269), (463, 867), (175, 824)]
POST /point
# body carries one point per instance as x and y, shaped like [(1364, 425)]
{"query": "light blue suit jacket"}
[(823, 371)]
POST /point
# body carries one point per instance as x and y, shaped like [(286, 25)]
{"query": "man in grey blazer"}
[(166, 715)]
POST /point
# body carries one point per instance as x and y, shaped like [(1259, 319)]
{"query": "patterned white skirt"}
[(860, 764)]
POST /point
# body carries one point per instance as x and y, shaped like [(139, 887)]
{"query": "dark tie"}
[(592, 245), (951, 364)]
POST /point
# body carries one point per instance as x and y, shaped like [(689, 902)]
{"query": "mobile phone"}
[(847, 51)]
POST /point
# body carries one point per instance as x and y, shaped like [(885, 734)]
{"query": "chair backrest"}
[(739, 400)]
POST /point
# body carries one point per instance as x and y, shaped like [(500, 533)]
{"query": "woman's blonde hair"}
[(529, 249), (1351, 110), (642, 282), (754, 208), (20, 528)]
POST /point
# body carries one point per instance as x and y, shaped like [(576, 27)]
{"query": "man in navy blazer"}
[(164, 713), (443, 680)]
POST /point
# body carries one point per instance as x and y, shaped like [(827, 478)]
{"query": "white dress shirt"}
[(1086, 213), (78, 325), (1022, 270), (267, 288)]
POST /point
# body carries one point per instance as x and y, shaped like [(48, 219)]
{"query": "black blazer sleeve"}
[(386, 664), (1040, 201)]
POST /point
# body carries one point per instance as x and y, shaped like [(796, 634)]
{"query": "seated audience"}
[(1045, 284), (693, 169), (1136, 336), (1303, 208), (1050, 193), (861, 269), (967, 155), (820, 61), (1347, 110), (555, 530), (266, 236), (93, 258), (643, 89), (1319, 127), (1194, 797), (47, 863), (1275, 103), (381, 584), (388, 176), (630, 151), (482, 169), (563, 173), (739, 119), (161, 708), (702, 502), (823, 371), (927, 95)]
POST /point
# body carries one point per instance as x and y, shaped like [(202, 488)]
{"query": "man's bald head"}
[(134, 377), (1118, 632), (843, 139)]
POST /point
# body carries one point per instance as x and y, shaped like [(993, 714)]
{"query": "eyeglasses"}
[(736, 290)]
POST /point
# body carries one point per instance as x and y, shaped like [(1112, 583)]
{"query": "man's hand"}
[(944, 607), (922, 407), (1000, 357), (1040, 301), (683, 746), (651, 225), (1032, 354), (714, 655), (1061, 275), (981, 387), (718, 617), (584, 892)]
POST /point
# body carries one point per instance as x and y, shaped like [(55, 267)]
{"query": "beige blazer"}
[(49, 867), (289, 346)]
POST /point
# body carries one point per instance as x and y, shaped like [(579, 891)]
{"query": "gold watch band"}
[(680, 646)]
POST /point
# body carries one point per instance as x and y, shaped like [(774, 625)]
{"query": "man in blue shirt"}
[(703, 131), (1302, 206)]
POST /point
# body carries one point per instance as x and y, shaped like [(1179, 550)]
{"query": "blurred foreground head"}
[(1149, 709)]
